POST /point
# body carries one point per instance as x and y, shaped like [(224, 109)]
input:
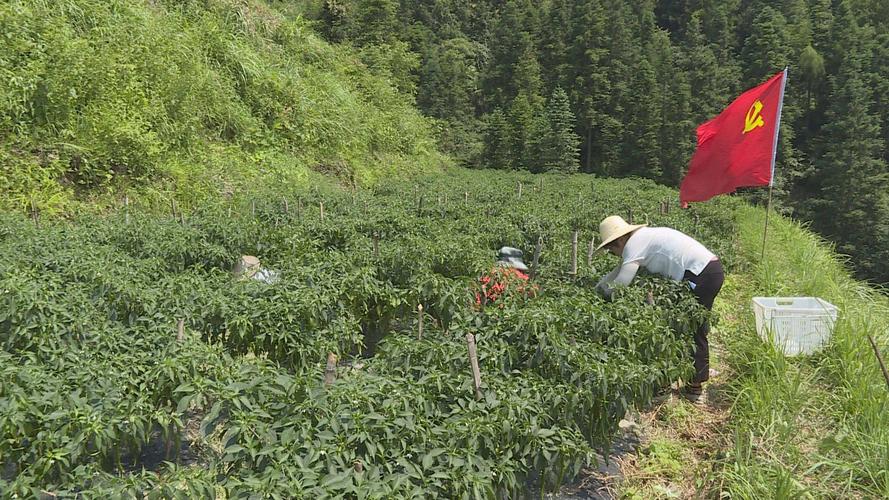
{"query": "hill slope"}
[(96, 95)]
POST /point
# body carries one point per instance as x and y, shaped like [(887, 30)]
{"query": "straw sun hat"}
[(613, 227), (247, 266)]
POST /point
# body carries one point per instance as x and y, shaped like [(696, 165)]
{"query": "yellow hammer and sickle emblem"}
[(753, 118)]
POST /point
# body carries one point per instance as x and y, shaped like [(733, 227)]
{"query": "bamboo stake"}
[(253, 207), (590, 251), (286, 206), (126, 209), (321, 207), (465, 197), (330, 369), (376, 245), (879, 358), (419, 321), (180, 331), (574, 253), (520, 190), (473, 362)]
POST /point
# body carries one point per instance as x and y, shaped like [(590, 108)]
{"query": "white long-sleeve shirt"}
[(660, 250)]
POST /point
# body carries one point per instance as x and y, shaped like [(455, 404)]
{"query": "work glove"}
[(604, 291)]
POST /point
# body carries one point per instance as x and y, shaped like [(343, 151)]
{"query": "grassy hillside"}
[(813, 426), (101, 95)]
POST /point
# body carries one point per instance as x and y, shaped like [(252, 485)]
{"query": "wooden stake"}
[(253, 207), (286, 206), (590, 251), (126, 209), (629, 216), (321, 207), (172, 208), (484, 297), (574, 253), (419, 321), (650, 298), (520, 190), (330, 369), (466, 197), (180, 330), (473, 362), (537, 251), (879, 358)]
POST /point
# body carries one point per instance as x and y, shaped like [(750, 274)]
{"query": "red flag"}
[(737, 148)]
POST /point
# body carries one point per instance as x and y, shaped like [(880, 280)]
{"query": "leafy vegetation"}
[(199, 97), (98, 390)]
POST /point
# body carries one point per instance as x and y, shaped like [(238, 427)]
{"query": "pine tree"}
[(710, 92), (560, 148), (512, 40), (676, 132), (640, 145), (766, 51), (589, 86), (376, 22), (449, 80), (498, 142), (524, 117), (853, 176)]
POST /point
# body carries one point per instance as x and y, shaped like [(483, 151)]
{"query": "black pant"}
[(707, 286)]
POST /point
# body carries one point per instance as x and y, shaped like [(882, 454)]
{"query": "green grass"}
[(815, 426)]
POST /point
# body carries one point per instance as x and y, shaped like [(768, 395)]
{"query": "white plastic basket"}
[(797, 325)]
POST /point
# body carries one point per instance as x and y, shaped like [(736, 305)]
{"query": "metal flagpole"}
[(765, 229)]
